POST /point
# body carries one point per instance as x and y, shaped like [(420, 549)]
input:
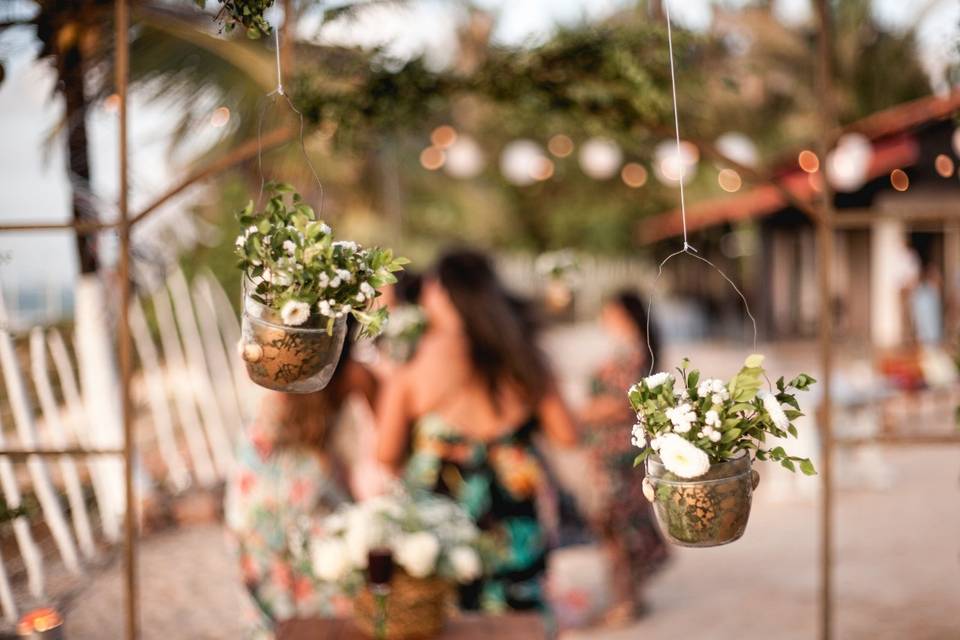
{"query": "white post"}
[(58, 438), (36, 466), (248, 392), (6, 595), (889, 265), (218, 359), (199, 374), (176, 370), (76, 416), (99, 382), (177, 471)]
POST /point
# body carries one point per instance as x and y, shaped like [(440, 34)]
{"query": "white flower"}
[(682, 417), (347, 245), (711, 418), (366, 289), (251, 229), (330, 560), (656, 380), (715, 436), (294, 313), (345, 275), (683, 458), (713, 387), (466, 564), (241, 241), (417, 553), (324, 228), (289, 246), (774, 410), (359, 297), (335, 282), (323, 281), (655, 443), (637, 436)]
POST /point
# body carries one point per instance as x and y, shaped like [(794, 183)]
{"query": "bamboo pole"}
[(122, 64), (825, 237)]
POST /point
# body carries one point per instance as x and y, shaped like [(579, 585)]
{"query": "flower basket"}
[(288, 359), (415, 608), (708, 511)]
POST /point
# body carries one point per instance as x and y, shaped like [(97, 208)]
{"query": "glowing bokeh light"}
[(600, 158), (669, 166), (542, 169), (560, 145), (111, 103), (944, 165), (808, 161), (738, 147), (899, 180), (443, 136), (519, 160), (729, 180), (220, 117), (465, 159), (847, 165), (432, 158), (634, 175)]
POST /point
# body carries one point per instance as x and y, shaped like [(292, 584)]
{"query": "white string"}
[(676, 126), (687, 249), (276, 39)]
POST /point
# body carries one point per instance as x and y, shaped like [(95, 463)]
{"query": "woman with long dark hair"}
[(459, 418), (626, 522), (288, 477)]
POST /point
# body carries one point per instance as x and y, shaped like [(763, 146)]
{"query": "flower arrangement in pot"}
[(432, 545), (299, 287), (698, 439)]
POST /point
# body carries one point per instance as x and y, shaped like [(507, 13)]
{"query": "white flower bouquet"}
[(698, 440), (301, 275), (430, 536)]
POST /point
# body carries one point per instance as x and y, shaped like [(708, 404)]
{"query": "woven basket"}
[(416, 608)]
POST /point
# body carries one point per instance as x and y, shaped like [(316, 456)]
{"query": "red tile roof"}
[(893, 147)]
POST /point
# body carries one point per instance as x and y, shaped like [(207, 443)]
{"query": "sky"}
[(33, 178)]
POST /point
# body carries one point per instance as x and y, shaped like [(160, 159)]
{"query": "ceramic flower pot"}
[(708, 511), (415, 608), (285, 358)]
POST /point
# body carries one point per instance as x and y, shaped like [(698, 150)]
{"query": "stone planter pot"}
[(289, 359), (708, 511), (415, 608)]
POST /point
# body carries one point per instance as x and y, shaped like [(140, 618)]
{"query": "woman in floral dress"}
[(459, 417), (286, 480), (626, 523)]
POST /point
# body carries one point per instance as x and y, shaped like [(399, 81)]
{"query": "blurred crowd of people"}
[(457, 399)]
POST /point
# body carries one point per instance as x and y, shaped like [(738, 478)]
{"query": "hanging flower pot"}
[(299, 287), (285, 358), (698, 443), (706, 512)]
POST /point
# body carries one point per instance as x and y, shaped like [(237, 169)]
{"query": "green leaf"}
[(807, 467), (787, 463), (731, 435), (640, 458)]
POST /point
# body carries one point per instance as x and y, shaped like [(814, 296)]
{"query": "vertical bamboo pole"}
[(122, 63), (825, 233)]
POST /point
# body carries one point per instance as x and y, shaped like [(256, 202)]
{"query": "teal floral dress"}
[(276, 499), (497, 483)]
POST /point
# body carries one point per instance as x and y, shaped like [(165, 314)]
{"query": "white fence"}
[(192, 402)]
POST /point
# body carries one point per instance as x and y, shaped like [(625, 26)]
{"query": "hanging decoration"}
[(300, 284), (698, 443), (244, 13)]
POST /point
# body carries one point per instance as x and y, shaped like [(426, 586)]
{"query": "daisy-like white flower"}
[(682, 417), (335, 282), (323, 281), (655, 443), (638, 437), (683, 458), (774, 410), (289, 246), (710, 387), (715, 436), (294, 313), (711, 418), (657, 379), (344, 275)]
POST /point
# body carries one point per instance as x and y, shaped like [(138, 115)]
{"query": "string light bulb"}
[(729, 180), (634, 175), (808, 161), (432, 158), (443, 136), (944, 165), (899, 180), (560, 145)]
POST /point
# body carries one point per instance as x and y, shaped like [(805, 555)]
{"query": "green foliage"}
[(245, 13), (722, 419), (301, 273)]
